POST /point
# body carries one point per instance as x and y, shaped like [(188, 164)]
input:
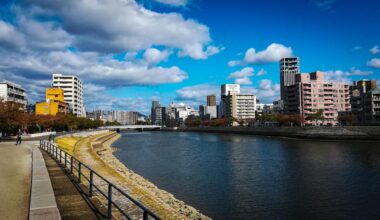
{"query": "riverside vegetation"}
[(96, 151)]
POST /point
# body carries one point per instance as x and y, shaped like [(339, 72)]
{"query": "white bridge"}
[(132, 127)]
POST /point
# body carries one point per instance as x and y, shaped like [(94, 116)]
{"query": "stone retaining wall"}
[(332, 133)]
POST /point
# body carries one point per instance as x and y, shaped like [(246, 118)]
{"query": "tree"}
[(318, 116), (345, 119)]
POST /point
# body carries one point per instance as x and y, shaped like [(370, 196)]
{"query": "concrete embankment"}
[(327, 133), (96, 151)]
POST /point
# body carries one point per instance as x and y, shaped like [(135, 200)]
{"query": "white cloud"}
[(44, 35), (197, 52), (175, 3), (245, 72), (261, 72), (9, 36), (340, 76), (375, 63), (124, 25), (323, 4), (273, 53), (356, 48), (357, 72), (267, 92), (197, 93), (242, 76), (97, 98), (243, 81), (265, 84), (154, 56), (375, 50)]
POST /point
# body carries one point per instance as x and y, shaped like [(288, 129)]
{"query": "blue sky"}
[(129, 53)]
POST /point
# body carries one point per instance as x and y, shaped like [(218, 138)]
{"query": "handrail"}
[(74, 168)]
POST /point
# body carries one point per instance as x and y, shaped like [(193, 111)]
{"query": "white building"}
[(230, 89), (73, 92), (183, 112), (12, 92), (208, 112), (264, 109)]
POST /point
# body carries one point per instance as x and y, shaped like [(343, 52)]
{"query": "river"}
[(256, 177)]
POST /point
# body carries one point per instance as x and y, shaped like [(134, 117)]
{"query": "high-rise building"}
[(73, 92), (158, 113), (211, 100), (12, 92), (289, 68), (365, 102), (226, 90), (54, 103), (311, 93)]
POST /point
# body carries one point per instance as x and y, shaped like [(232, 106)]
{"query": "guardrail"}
[(93, 184)]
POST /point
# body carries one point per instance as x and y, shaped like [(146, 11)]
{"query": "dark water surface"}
[(254, 177)]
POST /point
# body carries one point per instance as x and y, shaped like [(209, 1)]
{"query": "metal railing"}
[(93, 184)]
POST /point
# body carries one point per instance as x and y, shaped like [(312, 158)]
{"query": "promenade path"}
[(70, 202), (15, 179)]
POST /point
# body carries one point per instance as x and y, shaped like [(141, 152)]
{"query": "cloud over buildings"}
[(273, 53)]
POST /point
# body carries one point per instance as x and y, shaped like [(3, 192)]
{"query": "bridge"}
[(132, 127)]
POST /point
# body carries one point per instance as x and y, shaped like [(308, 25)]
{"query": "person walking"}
[(18, 138)]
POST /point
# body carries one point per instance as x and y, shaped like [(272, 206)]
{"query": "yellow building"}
[(55, 94), (54, 103)]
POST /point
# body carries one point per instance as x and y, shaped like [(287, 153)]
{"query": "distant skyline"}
[(128, 53)]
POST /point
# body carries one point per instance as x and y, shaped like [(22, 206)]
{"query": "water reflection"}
[(245, 177)]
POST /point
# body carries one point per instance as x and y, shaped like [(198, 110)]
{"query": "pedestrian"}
[(50, 137), (18, 138)]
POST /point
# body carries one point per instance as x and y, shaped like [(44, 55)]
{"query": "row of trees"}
[(281, 119), (13, 118)]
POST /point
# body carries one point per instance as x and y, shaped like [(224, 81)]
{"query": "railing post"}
[(145, 215), (91, 183), (109, 215), (71, 165), (60, 155), (79, 171), (65, 159)]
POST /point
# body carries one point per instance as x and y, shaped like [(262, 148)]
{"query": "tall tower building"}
[(73, 92), (289, 67), (211, 100)]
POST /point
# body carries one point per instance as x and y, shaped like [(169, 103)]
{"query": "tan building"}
[(240, 106), (211, 100), (312, 93)]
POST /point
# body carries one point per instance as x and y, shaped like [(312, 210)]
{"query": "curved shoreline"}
[(159, 201)]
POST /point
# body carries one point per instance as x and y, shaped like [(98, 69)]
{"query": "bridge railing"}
[(92, 184)]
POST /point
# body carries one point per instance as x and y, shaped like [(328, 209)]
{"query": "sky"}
[(130, 52)]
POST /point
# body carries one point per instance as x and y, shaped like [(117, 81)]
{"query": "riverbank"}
[(323, 133), (96, 151)]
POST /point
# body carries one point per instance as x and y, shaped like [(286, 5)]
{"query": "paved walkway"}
[(70, 202), (15, 180)]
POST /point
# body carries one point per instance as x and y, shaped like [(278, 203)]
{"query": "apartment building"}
[(12, 92), (73, 92), (289, 68), (311, 93), (365, 102), (240, 106)]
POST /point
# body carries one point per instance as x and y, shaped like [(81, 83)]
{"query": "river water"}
[(256, 177)]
